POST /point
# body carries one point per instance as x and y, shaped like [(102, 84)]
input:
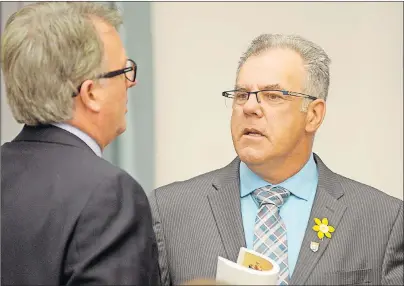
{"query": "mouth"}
[(252, 132)]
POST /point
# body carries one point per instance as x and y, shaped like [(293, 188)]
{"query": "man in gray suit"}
[(278, 197), (68, 216)]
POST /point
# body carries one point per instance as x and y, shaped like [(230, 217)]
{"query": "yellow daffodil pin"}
[(323, 228)]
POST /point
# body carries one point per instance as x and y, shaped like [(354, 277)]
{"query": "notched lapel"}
[(325, 205), (226, 208)]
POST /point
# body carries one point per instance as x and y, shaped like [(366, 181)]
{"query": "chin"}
[(121, 130), (252, 152), (251, 155), (122, 127)]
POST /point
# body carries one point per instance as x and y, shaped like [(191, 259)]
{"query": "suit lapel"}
[(226, 208), (325, 205)]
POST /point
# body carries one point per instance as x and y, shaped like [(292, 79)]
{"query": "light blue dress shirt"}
[(295, 212), (83, 136)]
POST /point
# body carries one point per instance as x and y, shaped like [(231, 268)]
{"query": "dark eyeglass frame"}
[(116, 73), (284, 92)]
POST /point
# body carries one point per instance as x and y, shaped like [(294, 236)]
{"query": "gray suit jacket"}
[(69, 217), (197, 220)]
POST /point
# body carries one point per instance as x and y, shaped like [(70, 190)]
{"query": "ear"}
[(88, 96), (315, 115)]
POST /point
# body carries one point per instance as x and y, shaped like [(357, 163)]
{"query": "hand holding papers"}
[(252, 268)]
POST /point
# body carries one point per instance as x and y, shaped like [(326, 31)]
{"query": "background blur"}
[(178, 124)]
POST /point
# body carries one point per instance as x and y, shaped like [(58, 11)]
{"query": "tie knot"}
[(271, 195)]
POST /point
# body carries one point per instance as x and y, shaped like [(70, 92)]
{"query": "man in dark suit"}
[(278, 197), (68, 216)]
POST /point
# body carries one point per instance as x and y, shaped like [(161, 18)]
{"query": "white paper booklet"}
[(252, 268)]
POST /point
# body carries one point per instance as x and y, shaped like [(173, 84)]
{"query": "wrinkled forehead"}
[(273, 69)]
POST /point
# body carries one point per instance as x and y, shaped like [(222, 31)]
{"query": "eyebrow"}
[(238, 87), (271, 86), (265, 87)]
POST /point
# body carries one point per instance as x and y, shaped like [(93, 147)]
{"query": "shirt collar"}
[(295, 184), (83, 136)]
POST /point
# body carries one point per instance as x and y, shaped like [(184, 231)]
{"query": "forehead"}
[(283, 67)]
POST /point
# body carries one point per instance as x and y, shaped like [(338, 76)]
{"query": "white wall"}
[(9, 127), (196, 49)]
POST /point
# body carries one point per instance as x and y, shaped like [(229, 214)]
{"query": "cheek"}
[(285, 130), (118, 89), (122, 91), (121, 98), (235, 123)]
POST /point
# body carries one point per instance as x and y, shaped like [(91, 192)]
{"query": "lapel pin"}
[(314, 246), (323, 228)]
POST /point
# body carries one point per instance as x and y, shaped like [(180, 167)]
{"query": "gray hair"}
[(47, 50), (316, 61)]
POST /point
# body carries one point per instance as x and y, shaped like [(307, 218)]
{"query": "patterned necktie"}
[(269, 230)]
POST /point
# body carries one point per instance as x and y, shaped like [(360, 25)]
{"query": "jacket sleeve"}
[(113, 242), (393, 264), (158, 230)]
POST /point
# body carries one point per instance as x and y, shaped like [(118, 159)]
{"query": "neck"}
[(278, 170), (90, 129)]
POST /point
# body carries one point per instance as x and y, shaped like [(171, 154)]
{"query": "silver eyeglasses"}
[(240, 97)]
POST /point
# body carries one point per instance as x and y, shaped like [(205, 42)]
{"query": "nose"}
[(131, 83), (252, 106)]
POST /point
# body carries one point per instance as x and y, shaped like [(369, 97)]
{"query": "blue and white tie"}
[(269, 231)]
